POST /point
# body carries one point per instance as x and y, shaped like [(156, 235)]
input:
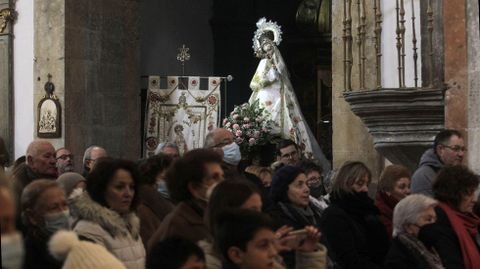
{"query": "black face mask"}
[(316, 191), (427, 235)]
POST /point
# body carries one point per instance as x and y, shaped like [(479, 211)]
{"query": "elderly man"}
[(221, 140), (90, 157), (448, 149), (64, 161), (167, 148)]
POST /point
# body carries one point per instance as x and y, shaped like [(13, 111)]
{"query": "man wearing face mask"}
[(44, 211), (12, 243), (222, 141)]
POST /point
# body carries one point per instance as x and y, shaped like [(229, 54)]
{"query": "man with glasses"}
[(288, 152), (448, 149), (90, 157), (64, 161)]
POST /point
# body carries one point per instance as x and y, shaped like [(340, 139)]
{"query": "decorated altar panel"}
[(180, 111)]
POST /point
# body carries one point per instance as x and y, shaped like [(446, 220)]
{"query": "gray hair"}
[(34, 147), (408, 211), (32, 192), (161, 146), (88, 153)]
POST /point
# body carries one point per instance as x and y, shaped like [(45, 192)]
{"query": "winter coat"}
[(441, 236), (353, 233), (185, 221), (285, 214), (152, 210), (305, 260), (400, 257), (36, 251), (423, 177), (120, 235)]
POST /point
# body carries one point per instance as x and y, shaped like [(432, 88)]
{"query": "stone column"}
[(473, 49), (91, 49), (6, 76), (351, 140), (462, 73)]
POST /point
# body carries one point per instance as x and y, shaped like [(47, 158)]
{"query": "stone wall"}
[(102, 101), (351, 140)]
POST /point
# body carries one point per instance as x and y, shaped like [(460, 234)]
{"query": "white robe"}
[(271, 86)]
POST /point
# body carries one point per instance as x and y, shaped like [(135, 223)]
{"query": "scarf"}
[(419, 251), (386, 204), (302, 216), (466, 227)]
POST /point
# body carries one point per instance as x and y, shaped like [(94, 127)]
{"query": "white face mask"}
[(231, 153), (12, 250)]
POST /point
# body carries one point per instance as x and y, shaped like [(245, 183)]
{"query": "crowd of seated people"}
[(214, 208)]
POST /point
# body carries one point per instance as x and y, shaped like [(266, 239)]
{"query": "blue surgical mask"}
[(231, 154), (12, 251), (162, 189), (57, 221)]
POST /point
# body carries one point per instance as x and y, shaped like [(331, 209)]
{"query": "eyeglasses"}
[(456, 148), (314, 181), (65, 156), (290, 155)]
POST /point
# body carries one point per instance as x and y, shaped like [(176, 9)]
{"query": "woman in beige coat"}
[(106, 211)]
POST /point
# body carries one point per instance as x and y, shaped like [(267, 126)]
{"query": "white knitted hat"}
[(65, 246)]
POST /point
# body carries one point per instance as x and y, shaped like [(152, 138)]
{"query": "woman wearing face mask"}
[(394, 185), (153, 206), (11, 239), (190, 181), (355, 236), (44, 211), (106, 210), (455, 235), (407, 251)]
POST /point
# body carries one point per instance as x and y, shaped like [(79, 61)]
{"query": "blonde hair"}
[(346, 176)]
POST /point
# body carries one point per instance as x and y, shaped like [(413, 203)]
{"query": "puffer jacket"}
[(120, 235)]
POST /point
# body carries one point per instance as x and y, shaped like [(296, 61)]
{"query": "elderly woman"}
[(394, 185), (106, 209), (44, 211), (355, 236), (455, 234), (407, 251), (190, 181)]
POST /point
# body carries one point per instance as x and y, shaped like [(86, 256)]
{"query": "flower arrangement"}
[(250, 126)]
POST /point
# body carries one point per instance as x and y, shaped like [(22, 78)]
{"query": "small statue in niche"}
[(49, 113)]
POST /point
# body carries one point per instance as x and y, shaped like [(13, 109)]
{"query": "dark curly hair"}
[(453, 183), (151, 167), (103, 172), (189, 169)]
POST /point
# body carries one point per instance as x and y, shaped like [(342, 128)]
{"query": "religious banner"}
[(179, 113)]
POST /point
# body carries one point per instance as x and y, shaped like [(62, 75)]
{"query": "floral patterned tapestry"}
[(181, 112)]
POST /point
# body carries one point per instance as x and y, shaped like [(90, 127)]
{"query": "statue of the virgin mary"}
[(272, 88)]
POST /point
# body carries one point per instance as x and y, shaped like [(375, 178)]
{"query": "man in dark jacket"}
[(448, 149)]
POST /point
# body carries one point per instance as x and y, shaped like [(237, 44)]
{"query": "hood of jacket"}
[(429, 158), (84, 208)]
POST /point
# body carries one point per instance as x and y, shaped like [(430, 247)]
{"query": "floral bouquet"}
[(250, 126)]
